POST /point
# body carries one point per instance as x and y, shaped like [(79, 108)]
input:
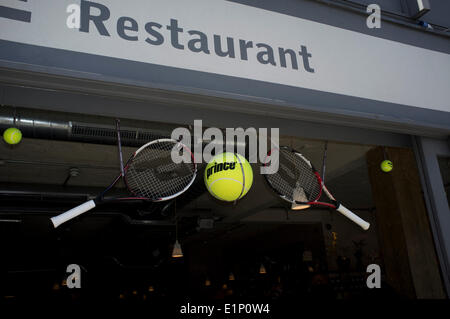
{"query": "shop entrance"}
[(256, 247)]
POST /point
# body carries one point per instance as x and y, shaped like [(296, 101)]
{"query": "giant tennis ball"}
[(386, 166), (12, 136), (228, 176)]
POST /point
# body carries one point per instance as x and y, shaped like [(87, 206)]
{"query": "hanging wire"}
[(15, 116), (176, 219), (385, 153), (324, 160), (119, 144)]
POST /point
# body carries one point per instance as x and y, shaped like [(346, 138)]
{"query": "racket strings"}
[(153, 174), (295, 179)]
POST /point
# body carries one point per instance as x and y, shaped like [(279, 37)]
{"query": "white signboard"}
[(230, 39)]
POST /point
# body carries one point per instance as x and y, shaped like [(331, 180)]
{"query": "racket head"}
[(296, 181), (152, 174)]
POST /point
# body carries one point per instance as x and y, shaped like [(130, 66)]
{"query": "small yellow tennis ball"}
[(386, 166), (12, 136), (228, 176)]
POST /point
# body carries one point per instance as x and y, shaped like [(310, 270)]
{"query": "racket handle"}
[(354, 218), (74, 212)]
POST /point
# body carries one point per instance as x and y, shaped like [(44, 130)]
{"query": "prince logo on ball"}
[(220, 167)]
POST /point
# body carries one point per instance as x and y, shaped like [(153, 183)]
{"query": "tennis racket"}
[(150, 174), (298, 182)]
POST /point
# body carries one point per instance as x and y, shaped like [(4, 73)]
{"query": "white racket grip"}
[(354, 218), (74, 212)]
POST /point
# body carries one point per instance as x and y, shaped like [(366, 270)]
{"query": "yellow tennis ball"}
[(12, 136), (386, 166), (228, 176)]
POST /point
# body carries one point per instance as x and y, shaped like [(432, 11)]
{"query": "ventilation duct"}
[(42, 128)]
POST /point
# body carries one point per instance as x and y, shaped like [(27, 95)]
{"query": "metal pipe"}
[(22, 193), (37, 128), (44, 128)]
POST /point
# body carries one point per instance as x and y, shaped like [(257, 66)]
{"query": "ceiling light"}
[(299, 206), (177, 252), (300, 196), (262, 269)]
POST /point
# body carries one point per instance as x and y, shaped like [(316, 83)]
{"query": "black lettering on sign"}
[(98, 20), (15, 14), (196, 41)]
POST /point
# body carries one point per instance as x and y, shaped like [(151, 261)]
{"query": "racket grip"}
[(74, 212), (354, 218)]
